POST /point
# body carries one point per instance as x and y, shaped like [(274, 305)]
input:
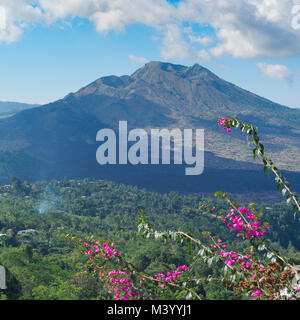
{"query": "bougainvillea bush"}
[(257, 272)]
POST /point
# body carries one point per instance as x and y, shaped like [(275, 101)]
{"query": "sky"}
[(49, 48)]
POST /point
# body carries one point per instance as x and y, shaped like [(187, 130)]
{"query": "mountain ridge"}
[(151, 74), (8, 108), (60, 136)]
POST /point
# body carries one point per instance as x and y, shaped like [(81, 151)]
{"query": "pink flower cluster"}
[(169, 277), (118, 281), (119, 284), (221, 122), (233, 258), (256, 293), (244, 263), (105, 250), (244, 223)]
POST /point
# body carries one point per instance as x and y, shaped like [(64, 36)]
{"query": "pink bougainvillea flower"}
[(256, 293)]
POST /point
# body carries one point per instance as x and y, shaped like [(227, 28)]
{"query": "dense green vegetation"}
[(42, 264)]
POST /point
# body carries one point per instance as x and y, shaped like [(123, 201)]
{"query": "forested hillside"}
[(42, 264)]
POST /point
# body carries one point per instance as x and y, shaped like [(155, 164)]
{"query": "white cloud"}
[(105, 14), (174, 46), (276, 71), (247, 28), (15, 15), (111, 15), (242, 28), (139, 60), (203, 55), (2, 18), (203, 40)]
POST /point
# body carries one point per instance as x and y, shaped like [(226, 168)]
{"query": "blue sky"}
[(50, 48)]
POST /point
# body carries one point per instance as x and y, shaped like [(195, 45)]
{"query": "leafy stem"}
[(259, 150)]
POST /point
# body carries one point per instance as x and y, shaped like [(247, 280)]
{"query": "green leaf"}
[(274, 259), (261, 247), (262, 148), (189, 243), (189, 296), (219, 193), (201, 252), (225, 270), (270, 255), (260, 214), (252, 205)]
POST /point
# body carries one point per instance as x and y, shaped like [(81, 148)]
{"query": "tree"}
[(16, 185)]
